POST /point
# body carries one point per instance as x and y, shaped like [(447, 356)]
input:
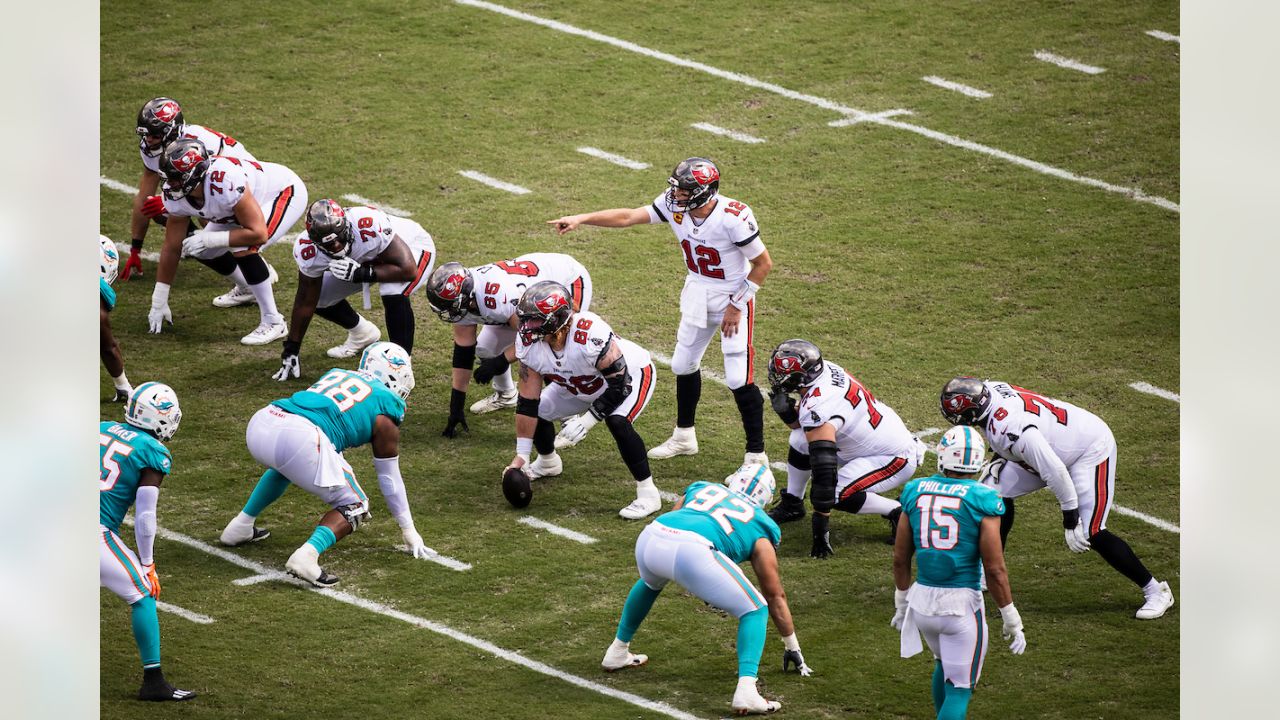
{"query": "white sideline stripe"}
[(1068, 63), (494, 182), (384, 208), (958, 87), (868, 117), (435, 627), (149, 256), (116, 185), (1150, 519), (717, 130), (439, 559), (255, 579), (1132, 193), (615, 159), (1150, 389), (1164, 36), (557, 530), (194, 617)]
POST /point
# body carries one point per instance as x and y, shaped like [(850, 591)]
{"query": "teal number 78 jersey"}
[(945, 516), (727, 518)]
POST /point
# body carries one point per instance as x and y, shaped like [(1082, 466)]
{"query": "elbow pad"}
[(527, 407), (619, 387), (826, 464), (463, 356)]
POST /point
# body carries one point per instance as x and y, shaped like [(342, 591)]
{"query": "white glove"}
[(791, 655), (1077, 542), (416, 547), (899, 608), (344, 268), (576, 428), (289, 366), (1013, 629), (159, 308), (205, 240)]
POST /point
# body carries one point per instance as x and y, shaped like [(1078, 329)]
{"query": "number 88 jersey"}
[(576, 367), (344, 404), (726, 518)]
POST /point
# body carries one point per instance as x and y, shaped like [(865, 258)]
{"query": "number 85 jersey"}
[(1070, 431), (726, 518)]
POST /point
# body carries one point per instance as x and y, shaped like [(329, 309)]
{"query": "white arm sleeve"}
[(1040, 456), (392, 486), (144, 521)]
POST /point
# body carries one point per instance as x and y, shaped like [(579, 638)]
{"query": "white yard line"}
[(1164, 36), (384, 208), (126, 248), (255, 579), (957, 87), (194, 617), (439, 559), (1066, 62), (116, 185), (725, 132), (557, 530), (494, 182), (868, 117), (1132, 193), (483, 646), (1150, 389), (615, 159), (1149, 519)]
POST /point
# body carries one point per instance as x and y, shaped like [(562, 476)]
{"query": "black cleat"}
[(156, 689), (788, 508), (893, 517), (121, 396)]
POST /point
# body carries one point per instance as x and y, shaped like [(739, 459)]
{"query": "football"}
[(516, 487)]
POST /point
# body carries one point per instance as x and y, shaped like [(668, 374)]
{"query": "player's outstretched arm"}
[(614, 217), (386, 461), (764, 561), (529, 389)]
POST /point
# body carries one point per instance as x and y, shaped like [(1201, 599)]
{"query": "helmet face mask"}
[(450, 290), (108, 259), (961, 450), (755, 481), (154, 407), (328, 228), (160, 118), (391, 364), (183, 164), (965, 401), (693, 184), (543, 310), (794, 364)]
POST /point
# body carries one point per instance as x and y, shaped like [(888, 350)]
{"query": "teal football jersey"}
[(108, 293), (344, 404), (123, 452), (727, 518), (945, 515)]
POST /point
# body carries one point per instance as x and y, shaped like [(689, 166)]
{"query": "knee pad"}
[(355, 513), (823, 457), (254, 268), (798, 459), (683, 363)]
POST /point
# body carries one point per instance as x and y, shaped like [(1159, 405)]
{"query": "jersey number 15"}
[(938, 528)]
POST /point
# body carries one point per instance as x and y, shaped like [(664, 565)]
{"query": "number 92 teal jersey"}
[(728, 519), (123, 453), (945, 516), (344, 404)]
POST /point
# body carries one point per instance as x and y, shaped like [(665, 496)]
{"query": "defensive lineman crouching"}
[(591, 374)]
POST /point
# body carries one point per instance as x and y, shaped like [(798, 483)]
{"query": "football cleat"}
[(1156, 605), (619, 656), (641, 507), (788, 508), (682, 442), (359, 337), (748, 701), (496, 401), (304, 564), (265, 333), (236, 534), (545, 466), (241, 294), (163, 692)]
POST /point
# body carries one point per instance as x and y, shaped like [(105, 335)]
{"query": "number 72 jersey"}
[(726, 518), (1071, 431)]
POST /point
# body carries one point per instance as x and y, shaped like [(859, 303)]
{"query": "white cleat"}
[(236, 534), (265, 333), (682, 442), (619, 656), (544, 466), (1157, 604), (304, 563), (748, 701), (241, 294), (755, 459), (641, 507), (359, 337), (496, 401)]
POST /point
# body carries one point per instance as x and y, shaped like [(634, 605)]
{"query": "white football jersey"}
[(371, 233), (1070, 431), (717, 249), (499, 285), (215, 142), (575, 366), (865, 427), (227, 181)]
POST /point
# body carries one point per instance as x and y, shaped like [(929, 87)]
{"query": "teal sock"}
[(956, 705), (639, 601), (146, 631), (268, 490), (751, 632), (322, 539), (939, 686)]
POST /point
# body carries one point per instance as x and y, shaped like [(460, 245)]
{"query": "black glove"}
[(784, 405), (490, 368), (793, 657), (122, 396), (821, 537), (457, 398), (1070, 518), (289, 365)]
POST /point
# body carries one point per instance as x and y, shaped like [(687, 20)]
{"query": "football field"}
[(945, 188)]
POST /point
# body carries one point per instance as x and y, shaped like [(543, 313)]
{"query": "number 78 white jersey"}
[(1071, 431)]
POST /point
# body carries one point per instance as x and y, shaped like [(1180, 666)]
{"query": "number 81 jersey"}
[(726, 518)]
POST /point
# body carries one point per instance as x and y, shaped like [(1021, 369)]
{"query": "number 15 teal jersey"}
[(945, 516), (728, 519)]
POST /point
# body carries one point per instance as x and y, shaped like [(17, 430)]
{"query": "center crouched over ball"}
[(516, 487)]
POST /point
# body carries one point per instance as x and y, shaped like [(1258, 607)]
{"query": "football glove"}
[(289, 365), (414, 540), (1012, 629), (457, 399), (821, 537), (153, 579), (351, 271), (576, 428), (132, 265), (793, 657), (157, 316), (784, 405), (203, 241), (122, 396), (153, 206), (899, 608), (1077, 541)]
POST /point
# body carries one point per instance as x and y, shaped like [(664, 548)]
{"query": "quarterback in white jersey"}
[(590, 374), (340, 251), (1040, 441), (853, 445), (247, 206), (468, 298), (727, 263)]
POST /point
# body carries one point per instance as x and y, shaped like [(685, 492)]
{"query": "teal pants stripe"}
[(741, 579), (355, 486), (128, 564)]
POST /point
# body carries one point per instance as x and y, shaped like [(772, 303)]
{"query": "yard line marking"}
[(1150, 389), (615, 159), (1068, 63), (725, 132), (435, 627), (194, 617), (958, 87), (868, 117), (1150, 519), (1164, 36), (1131, 193), (557, 530), (116, 185), (384, 208), (439, 559), (126, 248), (255, 579), (494, 182)]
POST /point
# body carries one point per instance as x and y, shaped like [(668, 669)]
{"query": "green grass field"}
[(908, 260)]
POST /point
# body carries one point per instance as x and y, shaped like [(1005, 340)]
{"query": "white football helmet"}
[(109, 262), (961, 450), (154, 406), (389, 363), (755, 481)]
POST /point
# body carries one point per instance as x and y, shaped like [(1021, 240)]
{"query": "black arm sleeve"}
[(825, 463), (619, 382)]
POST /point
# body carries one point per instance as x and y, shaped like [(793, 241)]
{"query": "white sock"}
[(797, 480), (122, 382), (503, 384), (364, 327), (747, 681), (617, 647), (684, 434), (645, 488), (549, 457), (238, 278), (1152, 587), (266, 302), (243, 518), (876, 505)]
